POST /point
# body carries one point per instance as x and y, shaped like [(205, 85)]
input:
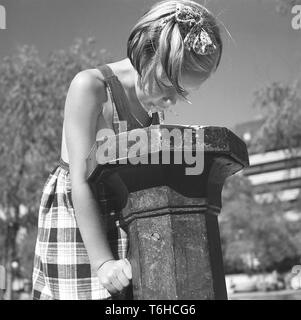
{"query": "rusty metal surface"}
[(217, 140), (224, 154)]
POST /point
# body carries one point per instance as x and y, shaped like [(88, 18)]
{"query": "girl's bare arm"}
[(82, 108)]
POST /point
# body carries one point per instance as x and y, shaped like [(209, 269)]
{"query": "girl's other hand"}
[(115, 275)]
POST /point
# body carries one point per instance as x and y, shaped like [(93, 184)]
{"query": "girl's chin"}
[(158, 109), (150, 107), (154, 109)]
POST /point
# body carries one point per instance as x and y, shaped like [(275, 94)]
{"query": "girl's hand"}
[(115, 275)]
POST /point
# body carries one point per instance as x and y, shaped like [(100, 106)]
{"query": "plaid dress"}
[(62, 270)]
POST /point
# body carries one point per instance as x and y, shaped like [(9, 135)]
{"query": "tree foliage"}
[(32, 97), (253, 232), (280, 106)]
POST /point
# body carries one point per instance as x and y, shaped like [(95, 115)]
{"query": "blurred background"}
[(256, 92)]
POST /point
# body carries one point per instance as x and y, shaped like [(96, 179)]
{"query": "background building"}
[(275, 174)]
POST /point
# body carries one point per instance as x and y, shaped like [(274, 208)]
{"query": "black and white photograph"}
[(150, 150)]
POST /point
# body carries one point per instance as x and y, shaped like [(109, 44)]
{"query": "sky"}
[(263, 47)]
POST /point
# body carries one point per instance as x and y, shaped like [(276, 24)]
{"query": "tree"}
[(238, 206), (254, 236), (280, 106), (32, 96)]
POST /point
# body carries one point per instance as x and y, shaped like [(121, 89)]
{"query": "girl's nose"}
[(170, 101)]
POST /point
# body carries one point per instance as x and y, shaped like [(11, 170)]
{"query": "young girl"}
[(171, 50)]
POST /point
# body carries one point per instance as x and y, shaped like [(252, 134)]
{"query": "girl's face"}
[(155, 98)]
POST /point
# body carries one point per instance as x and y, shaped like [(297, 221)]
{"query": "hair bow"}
[(196, 32)]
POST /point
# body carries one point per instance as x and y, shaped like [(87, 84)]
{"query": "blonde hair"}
[(152, 44)]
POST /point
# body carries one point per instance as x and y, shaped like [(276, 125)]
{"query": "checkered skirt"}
[(62, 270)]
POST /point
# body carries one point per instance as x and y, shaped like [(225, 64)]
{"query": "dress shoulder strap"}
[(106, 71), (109, 77), (120, 101)]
